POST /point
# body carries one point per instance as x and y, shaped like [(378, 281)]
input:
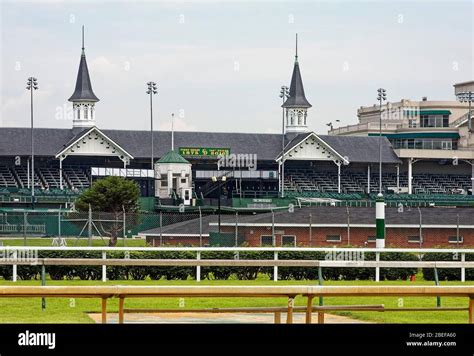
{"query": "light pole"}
[(32, 85), (380, 203), (467, 96), (215, 180), (381, 97), (331, 125), (151, 90), (284, 94)]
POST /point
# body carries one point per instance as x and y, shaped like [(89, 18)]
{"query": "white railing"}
[(12, 255)]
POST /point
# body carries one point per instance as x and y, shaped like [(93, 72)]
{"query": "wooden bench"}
[(290, 292)]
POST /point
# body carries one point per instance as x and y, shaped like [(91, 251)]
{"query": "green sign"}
[(203, 151)]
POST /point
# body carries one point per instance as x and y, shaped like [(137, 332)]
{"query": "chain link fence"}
[(315, 226)]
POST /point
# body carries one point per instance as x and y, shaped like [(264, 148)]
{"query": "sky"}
[(219, 65)]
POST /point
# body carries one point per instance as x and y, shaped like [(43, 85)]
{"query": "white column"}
[(398, 178), (198, 267), (170, 181), (410, 175), (338, 177), (472, 177), (368, 179), (104, 267), (61, 173)]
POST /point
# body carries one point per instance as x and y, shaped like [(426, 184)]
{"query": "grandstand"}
[(343, 164)]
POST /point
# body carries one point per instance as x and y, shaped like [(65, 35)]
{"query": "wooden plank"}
[(104, 310), (471, 309), (237, 291), (320, 317), (277, 317), (289, 313), (309, 309), (121, 313)]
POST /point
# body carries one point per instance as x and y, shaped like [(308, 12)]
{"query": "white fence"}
[(335, 257)]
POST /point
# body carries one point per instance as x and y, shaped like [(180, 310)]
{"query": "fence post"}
[(124, 218), (59, 223), (320, 280), (198, 267), (89, 227), (463, 269), (161, 228), (200, 227), (15, 256), (104, 267), (236, 228), (273, 229), (377, 269), (421, 227), (348, 226), (24, 228), (275, 268), (438, 299), (43, 283)]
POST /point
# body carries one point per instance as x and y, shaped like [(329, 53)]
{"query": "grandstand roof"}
[(48, 142)]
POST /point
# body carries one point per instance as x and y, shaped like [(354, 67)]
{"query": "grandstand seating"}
[(21, 175), (50, 177), (76, 178), (6, 178), (46, 178), (310, 181)]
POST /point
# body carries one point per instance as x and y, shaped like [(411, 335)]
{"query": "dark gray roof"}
[(362, 148), (83, 90), (297, 98), (329, 215), (357, 149), (48, 142)]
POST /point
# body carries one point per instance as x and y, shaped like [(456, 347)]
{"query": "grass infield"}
[(63, 310)]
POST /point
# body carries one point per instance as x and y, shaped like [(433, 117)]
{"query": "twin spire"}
[(297, 97), (83, 91)]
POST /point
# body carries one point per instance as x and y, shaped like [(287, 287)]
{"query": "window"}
[(183, 180), (78, 114), (266, 240), (455, 240), (164, 183), (288, 240), (371, 239), (414, 239), (333, 238)]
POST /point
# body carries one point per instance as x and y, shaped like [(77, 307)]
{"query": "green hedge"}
[(447, 274)]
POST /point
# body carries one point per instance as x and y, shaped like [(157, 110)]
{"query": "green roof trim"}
[(435, 112), (173, 157), (420, 135), (427, 112)]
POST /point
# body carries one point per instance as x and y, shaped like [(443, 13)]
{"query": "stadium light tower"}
[(380, 203), (467, 96), (32, 85), (151, 91), (284, 94), (216, 180)]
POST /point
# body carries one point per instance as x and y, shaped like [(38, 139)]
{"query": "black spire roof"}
[(297, 98), (83, 91)]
